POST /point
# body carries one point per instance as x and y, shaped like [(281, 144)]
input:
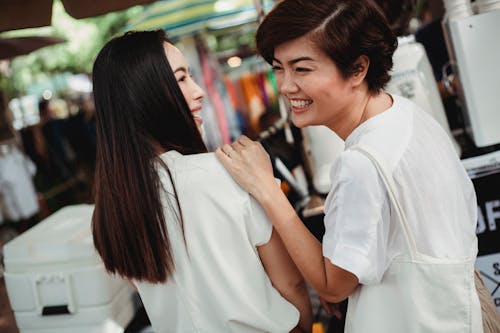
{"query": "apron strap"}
[(383, 171)]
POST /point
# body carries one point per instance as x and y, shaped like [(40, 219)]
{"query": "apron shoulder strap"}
[(383, 170)]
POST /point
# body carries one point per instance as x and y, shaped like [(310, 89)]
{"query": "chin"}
[(300, 122)]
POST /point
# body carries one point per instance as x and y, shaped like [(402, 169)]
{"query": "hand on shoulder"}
[(249, 164)]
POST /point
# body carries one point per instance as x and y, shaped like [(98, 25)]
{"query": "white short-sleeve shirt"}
[(432, 186), (219, 283)]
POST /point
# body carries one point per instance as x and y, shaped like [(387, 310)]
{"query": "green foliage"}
[(84, 37)]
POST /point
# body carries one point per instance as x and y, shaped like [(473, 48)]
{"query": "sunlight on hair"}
[(332, 16)]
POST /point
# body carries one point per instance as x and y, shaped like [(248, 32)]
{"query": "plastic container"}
[(57, 283)]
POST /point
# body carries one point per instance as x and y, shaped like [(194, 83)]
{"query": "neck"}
[(362, 109)]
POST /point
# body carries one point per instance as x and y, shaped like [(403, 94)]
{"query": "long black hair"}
[(140, 110)]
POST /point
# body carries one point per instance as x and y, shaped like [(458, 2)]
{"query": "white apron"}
[(418, 293)]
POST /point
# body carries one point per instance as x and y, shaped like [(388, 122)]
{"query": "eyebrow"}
[(181, 69), (296, 60)]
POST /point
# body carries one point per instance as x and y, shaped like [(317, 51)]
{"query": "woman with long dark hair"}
[(400, 216), (199, 250)]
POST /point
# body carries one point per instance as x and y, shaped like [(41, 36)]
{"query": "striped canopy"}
[(184, 17)]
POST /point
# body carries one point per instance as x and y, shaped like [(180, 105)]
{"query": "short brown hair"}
[(398, 14), (342, 29)]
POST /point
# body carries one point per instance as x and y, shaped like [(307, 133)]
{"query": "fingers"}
[(244, 140), (241, 143), (244, 143), (326, 306), (236, 145), (336, 311), (331, 308), (228, 150), (235, 149), (225, 160), (221, 154)]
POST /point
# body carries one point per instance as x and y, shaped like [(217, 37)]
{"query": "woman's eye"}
[(302, 69), (276, 68), (182, 79)]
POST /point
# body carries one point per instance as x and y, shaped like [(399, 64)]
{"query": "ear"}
[(361, 66)]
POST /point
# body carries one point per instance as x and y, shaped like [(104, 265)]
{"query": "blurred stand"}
[(18, 199)]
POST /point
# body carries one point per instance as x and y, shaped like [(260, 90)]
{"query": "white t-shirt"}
[(433, 188), (219, 283)]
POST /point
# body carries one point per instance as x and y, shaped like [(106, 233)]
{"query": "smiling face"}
[(190, 90), (312, 83)]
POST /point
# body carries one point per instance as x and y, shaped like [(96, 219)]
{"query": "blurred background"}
[(447, 61)]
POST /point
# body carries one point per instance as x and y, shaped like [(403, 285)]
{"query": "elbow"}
[(301, 286), (332, 295), (295, 286), (333, 298), (337, 287)]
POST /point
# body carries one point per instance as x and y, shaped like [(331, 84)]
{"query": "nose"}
[(198, 93), (287, 84)]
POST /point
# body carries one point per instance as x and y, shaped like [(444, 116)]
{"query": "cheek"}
[(279, 80), (326, 89), (324, 97)]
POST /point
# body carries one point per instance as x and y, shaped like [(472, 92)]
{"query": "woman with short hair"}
[(400, 217)]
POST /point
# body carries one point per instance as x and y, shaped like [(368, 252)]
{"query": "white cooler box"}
[(57, 283)]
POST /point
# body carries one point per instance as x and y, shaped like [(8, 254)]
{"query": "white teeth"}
[(299, 103)]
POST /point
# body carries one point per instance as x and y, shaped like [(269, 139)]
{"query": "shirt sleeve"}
[(355, 235), (259, 226)]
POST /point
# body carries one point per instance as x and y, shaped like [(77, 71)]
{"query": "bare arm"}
[(286, 278), (250, 165), (333, 283)]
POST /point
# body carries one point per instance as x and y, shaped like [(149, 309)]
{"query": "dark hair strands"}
[(342, 29), (139, 107)]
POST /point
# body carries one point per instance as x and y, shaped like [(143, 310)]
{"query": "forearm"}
[(250, 166), (303, 247), (286, 278), (299, 297)]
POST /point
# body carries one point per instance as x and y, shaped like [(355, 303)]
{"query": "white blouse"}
[(433, 187), (219, 283)]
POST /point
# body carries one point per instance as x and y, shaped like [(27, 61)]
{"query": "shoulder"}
[(404, 107), (202, 172), (390, 132), (353, 171), (204, 163)]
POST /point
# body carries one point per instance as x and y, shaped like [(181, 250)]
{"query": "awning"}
[(13, 47), (20, 14), (183, 17)]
